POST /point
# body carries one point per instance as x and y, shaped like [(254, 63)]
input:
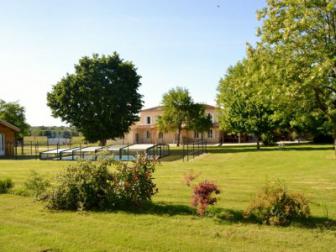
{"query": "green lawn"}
[(25, 225)]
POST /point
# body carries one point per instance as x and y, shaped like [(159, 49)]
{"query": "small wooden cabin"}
[(7, 138)]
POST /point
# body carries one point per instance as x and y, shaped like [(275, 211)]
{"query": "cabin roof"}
[(9, 125)]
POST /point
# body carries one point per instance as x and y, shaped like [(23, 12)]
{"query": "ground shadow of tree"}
[(223, 215), (160, 208), (236, 216)]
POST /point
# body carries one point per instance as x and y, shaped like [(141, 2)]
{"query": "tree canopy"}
[(244, 106), (180, 111), (14, 113), (303, 35), (291, 71), (100, 98)]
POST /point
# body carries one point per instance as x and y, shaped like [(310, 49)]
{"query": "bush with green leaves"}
[(6, 185), (92, 186), (36, 185), (83, 186), (274, 205)]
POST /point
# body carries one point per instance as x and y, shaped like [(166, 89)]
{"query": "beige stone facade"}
[(146, 130)]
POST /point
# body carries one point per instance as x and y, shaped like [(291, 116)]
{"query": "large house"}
[(7, 138), (146, 130)]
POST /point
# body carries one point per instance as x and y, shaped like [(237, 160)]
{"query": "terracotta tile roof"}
[(8, 125)]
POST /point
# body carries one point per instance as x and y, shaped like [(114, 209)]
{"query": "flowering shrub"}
[(275, 206), (203, 196), (134, 184)]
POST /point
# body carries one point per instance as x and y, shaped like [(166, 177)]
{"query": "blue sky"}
[(173, 43)]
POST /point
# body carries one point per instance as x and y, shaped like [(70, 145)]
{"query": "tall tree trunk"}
[(102, 142), (178, 136), (258, 143)]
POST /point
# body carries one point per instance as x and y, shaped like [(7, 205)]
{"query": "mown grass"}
[(170, 225)]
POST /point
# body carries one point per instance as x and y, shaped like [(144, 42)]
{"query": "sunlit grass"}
[(26, 225)]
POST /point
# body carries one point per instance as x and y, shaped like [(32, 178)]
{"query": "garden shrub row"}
[(111, 185), (273, 205), (93, 186)]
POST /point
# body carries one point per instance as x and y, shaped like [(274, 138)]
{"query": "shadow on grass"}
[(222, 215), (161, 209), (234, 216)]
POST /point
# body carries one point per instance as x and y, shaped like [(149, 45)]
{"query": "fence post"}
[(183, 152), (193, 149), (187, 151), (15, 149)]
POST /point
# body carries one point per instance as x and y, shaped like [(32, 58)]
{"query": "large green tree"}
[(100, 98), (180, 111), (291, 70), (244, 108), (303, 35), (14, 113)]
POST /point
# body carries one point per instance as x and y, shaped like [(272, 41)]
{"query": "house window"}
[(148, 120), (210, 133), (147, 134), (160, 135)]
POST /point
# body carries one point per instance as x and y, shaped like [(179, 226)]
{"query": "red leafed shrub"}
[(203, 196)]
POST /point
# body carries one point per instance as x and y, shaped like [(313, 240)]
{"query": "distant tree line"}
[(54, 131)]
